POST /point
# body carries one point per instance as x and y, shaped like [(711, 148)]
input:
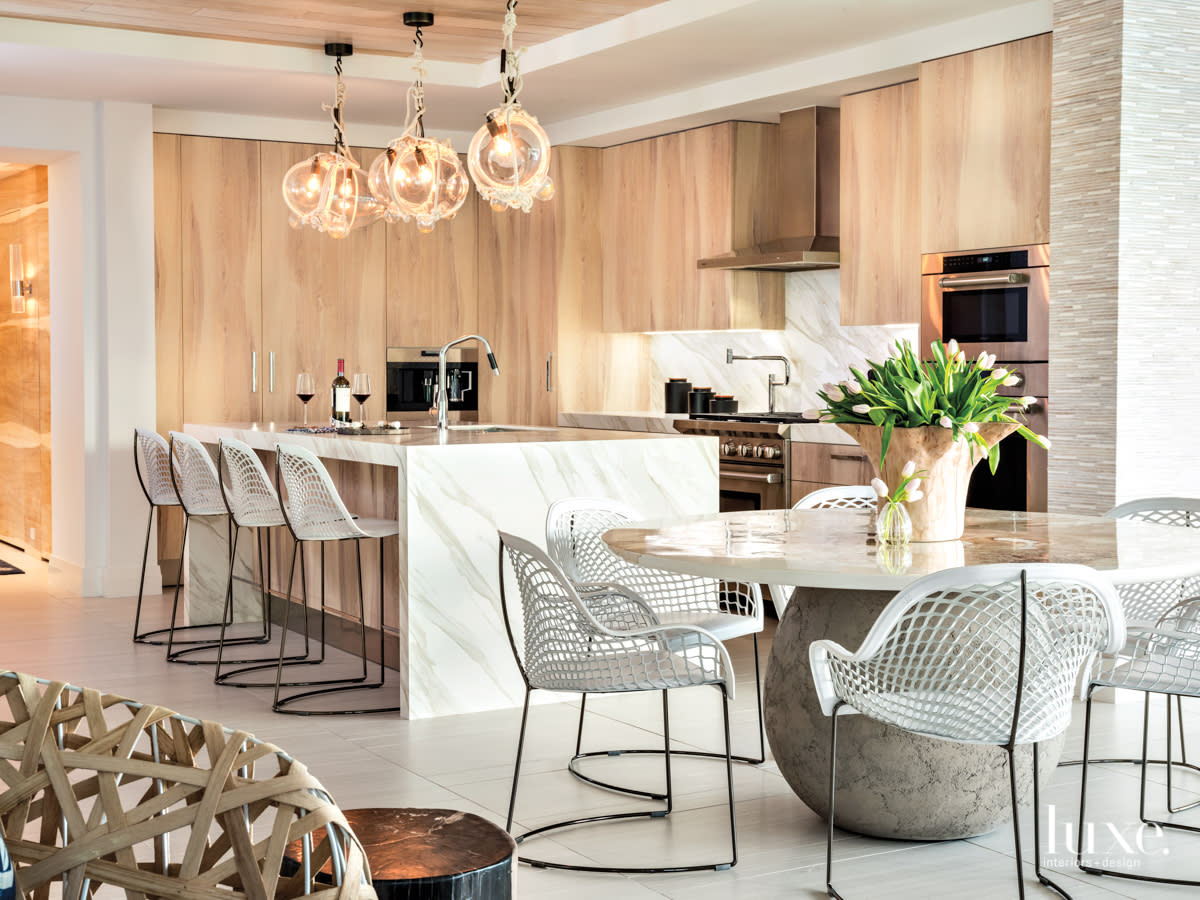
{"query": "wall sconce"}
[(20, 288)]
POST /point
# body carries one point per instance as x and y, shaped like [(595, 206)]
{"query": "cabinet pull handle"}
[(848, 457), (272, 367), (254, 371), (549, 359), (980, 280)]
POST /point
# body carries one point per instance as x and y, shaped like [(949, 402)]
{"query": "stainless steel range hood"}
[(809, 173)]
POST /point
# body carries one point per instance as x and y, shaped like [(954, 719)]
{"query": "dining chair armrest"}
[(819, 655), (693, 644)]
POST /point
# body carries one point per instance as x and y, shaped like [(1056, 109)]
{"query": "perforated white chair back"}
[(311, 504), (1146, 601), (249, 494), (195, 477), (560, 644), (853, 496), (152, 460), (943, 658), (574, 530)]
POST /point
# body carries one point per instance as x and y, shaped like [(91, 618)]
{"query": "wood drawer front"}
[(827, 464)]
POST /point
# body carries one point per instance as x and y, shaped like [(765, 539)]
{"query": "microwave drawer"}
[(829, 464)]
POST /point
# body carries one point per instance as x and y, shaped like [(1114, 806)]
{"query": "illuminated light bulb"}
[(339, 201), (509, 159), (419, 179)]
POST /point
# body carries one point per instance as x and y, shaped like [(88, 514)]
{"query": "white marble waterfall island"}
[(450, 495)]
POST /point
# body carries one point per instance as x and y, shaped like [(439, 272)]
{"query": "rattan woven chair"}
[(99, 790), (197, 486), (574, 527), (978, 655), (1162, 659), (314, 511), (612, 643), (852, 496)]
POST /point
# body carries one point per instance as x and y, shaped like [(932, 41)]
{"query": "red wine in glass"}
[(305, 391), (360, 391)]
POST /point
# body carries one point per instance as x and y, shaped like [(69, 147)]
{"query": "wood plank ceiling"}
[(463, 31)]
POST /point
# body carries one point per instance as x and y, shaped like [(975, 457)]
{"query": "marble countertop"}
[(664, 423), (836, 549), (390, 449)]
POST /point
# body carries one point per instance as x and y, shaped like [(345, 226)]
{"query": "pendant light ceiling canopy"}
[(329, 191), (509, 158), (418, 178)]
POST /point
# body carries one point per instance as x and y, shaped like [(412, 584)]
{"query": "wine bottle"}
[(340, 397)]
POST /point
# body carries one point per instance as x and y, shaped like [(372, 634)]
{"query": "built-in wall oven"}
[(998, 300)]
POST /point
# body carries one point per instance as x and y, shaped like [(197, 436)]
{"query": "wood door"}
[(629, 185), (880, 207), (985, 147), (221, 271), (519, 271), (432, 280)]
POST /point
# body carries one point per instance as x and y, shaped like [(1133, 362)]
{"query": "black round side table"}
[(430, 854)]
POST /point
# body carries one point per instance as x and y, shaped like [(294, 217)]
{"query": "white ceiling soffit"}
[(675, 65)]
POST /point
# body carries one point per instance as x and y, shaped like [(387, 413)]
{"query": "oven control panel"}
[(760, 449)]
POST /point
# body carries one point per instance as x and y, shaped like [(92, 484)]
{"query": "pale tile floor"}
[(464, 762)]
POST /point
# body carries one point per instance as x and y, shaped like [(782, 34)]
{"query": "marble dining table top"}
[(828, 548)]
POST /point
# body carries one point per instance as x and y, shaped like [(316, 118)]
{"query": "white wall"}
[(101, 327)]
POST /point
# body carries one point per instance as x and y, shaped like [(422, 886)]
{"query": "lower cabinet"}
[(816, 466)]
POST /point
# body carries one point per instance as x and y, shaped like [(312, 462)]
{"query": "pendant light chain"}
[(512, 83), (335, 112)]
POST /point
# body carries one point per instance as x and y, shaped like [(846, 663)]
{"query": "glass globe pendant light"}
[(418, 178), (329, 191), (509, 157)]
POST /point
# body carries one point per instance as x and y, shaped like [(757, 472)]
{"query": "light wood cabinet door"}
[(432, 283), (221, 269), (671, 200), (985, 147), (881, 207), (826, 464), (322, 299)]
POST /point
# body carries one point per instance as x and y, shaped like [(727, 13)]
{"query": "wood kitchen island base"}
[(891, 783), (451, 493)]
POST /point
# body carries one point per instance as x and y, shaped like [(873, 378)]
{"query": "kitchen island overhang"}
[(450, 492)]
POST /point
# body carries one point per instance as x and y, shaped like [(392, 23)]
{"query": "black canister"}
[(677, 394), (723, 403), (699, 399)]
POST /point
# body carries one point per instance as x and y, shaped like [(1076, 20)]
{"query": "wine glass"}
[(360, 391), (305, 391)]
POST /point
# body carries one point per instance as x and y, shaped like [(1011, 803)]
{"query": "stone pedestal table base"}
[(891, 783)]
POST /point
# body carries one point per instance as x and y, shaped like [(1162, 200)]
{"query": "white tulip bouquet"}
[(947, 391)]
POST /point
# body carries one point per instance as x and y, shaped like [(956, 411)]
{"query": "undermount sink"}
[(489, 429)]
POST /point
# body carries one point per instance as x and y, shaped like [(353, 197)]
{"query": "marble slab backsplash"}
[(819, 348)]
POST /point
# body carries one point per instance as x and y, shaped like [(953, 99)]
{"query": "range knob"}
[(744, 450), (729, 448), (770, 452)]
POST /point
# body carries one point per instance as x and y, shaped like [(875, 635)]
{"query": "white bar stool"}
[(151, 460), (197, 486), (314, 511)]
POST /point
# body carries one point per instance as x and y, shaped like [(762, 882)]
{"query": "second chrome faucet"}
[(771, 382)]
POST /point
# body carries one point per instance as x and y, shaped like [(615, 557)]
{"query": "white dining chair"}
[(1160, 659), (976, 655), (574, 530), (612, 642), (838, 496)]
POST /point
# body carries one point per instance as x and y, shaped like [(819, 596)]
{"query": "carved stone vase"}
[(938, 516)]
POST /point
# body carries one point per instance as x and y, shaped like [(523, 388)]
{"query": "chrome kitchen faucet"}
[(441, 382), (771, 382)]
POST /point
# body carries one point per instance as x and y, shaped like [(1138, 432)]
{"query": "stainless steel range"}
[(755, 457)]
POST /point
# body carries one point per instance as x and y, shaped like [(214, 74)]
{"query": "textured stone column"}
[(1125, 239)]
